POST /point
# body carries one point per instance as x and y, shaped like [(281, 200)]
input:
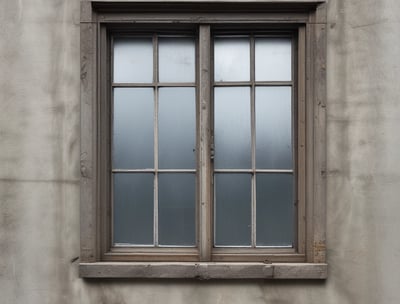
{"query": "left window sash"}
[(151, 197)]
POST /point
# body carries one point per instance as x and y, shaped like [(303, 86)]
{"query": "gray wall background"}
[(39, 166)]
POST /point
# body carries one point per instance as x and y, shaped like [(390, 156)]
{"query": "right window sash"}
[(258, 158)]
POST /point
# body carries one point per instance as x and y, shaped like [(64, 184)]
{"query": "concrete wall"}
[(39, 166)]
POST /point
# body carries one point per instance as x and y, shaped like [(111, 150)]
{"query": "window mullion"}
[(204, 109)]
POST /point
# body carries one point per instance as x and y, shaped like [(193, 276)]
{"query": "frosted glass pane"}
[(133, 60), (273, 128), (273, 59), (275, 210), (176, 209), (176, 59), (133, 208), (232, 128), (133, 128), (232, 59), (177, 126), (232, 209)]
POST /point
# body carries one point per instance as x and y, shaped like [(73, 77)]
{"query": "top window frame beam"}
[(195, 12)]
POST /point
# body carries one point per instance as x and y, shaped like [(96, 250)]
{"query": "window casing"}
[(305, 257)]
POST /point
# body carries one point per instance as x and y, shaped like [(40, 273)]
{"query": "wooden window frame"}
[(307, 19)]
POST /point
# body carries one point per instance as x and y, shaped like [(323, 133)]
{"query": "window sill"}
[(203, 270)]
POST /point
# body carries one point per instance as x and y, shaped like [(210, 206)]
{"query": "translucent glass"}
[(177, 127), (133, 60), (231, 59), (273, 59), (275, 210), (232, 209), (133, 208), (176, 59), (176, 209), (232, 128), (133, 128), (273, 128)]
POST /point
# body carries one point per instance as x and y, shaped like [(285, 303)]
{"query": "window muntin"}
[(252, 130), (154, 141), (254, 144)]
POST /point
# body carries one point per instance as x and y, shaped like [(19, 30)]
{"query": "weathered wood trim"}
[(311, 15), (262, 258), (203, 271), (150, 257), (199, 18), (316, 136), (300, 271), (321, 13), (88, 158), (151, 254), (104, 123), (205, 6), (319, 79), (208, 1), (301, 140), (86, 11), (204, 144), (309, 97)]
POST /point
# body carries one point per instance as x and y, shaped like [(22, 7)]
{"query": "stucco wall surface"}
[(39, 167)]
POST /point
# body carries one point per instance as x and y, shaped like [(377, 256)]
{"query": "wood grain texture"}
[(316, 136), (204, 107), (301, 141), (319, 216), (88, 198), (196, 18), (300, 271), (203, 271)]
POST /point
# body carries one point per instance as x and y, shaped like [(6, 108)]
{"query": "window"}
[(154, 141), (203, 140)]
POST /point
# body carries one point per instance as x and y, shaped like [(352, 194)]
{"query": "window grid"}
[(206, 250), (156, 85), (253, 171)]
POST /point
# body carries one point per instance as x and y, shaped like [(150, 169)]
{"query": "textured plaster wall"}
[(39, 166)]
